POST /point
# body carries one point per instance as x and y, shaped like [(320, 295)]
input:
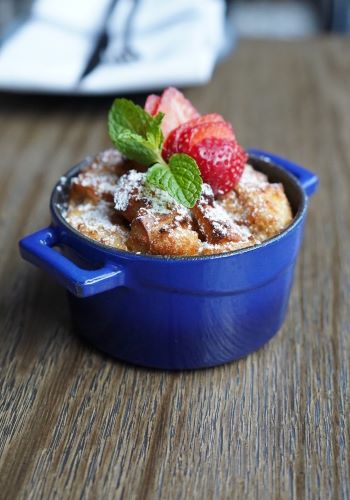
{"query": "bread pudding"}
[(110, 202), (180, 185)]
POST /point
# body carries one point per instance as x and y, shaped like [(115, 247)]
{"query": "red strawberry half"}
[(208, 118), (221, 162), (188, 134), (174, 105)]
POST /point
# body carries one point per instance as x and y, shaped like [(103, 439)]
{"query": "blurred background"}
[(288, 18), (111, 46)]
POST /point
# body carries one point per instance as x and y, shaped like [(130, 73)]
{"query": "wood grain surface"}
[(75, 424)]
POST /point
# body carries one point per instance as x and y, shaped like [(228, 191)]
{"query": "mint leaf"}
[(134, 132), (180, 178), (138, 136), (126, 115), (154, 133), (134, 147)]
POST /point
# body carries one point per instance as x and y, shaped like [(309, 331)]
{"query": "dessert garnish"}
[(176, 108), (180, 148), (138, 136)]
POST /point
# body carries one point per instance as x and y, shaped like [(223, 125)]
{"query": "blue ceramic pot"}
[(182, 312)]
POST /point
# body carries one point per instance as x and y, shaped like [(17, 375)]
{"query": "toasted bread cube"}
[(267, 209), (98, 222), (232, 204), (97, 181), (214, 223), (162, 234), (92, 187), (129, 195)]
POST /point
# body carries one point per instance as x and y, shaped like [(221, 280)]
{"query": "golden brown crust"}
[(266, 207), (214, 222), (162, 234), (97, 181), (98, 222), (231, 203), (258, 204)]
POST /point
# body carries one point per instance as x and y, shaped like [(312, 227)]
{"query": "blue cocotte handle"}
[(307, 179), (37, 249)]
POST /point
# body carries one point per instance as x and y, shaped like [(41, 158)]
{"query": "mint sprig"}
[(180, 178), (138, 136), (135, 147)]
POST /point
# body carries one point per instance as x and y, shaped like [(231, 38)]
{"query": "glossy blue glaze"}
[(176, 313)]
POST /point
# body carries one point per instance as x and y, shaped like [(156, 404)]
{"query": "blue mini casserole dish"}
[(176, 312)]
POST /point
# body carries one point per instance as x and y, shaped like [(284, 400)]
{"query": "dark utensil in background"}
[(126, 54)]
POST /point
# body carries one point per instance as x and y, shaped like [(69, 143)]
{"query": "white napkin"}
[(169, 43)]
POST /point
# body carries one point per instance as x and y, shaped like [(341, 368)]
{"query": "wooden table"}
[(76, 424)]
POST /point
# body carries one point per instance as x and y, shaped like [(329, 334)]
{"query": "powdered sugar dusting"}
[(212, 248), (94, 220), (102, 184), (132, 186), (91, 214), (109, 158), (252, 176), (129, 184)]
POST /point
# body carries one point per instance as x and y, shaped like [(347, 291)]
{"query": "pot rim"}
[(56, 211)]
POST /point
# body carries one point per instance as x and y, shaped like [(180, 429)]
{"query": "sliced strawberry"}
[(186, 135), (192, 135), (221, 162), (170, 144), (210, 117), (177, 110), (152, 103)]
